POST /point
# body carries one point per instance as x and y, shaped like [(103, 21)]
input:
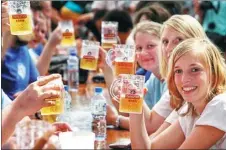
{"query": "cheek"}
[(177, 80)]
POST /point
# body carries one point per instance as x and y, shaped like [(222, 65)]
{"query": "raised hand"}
[(33, 98)]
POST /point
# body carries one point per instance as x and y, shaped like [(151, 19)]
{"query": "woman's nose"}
[(186, 78)]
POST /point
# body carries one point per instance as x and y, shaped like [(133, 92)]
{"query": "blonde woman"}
[(176, 29), (196, 76), (147, 40)]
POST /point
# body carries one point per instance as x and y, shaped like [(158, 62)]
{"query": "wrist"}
[(18, 111), (15, 113), (117, 121), (50, 45)]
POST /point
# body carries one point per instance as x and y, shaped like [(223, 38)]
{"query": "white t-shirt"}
[(163, 107), (172, 117), (213, 115)]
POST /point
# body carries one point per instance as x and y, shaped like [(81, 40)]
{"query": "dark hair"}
[(122, 17), (154, 12), (99, 14), (174, 7), (36, 6), (142, 4)]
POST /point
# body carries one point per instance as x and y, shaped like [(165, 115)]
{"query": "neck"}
[(157, 74), (199, 106)]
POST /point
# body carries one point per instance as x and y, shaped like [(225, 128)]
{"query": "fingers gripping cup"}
[(20, 17), (122, 59), (128, 90), (58, 108)]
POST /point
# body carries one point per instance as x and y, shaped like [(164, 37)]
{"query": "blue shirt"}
[(218, 18), (38, 49), (18, 71), (156, 88), (5, 100), (143, 72)]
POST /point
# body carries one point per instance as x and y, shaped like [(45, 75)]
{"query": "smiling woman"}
[(197, 77), (196, 71)]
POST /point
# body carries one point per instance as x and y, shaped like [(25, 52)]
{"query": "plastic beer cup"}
[(131, 92), (20, 17), (58, 108), (122, 59)]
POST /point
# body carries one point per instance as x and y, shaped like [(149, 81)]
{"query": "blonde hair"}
[(213, 60), (149, 27), (186, 25)]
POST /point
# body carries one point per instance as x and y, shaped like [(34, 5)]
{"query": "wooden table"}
[(114, 135)]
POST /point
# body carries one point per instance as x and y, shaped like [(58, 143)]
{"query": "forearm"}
[(139, 136), (152, 120), (45, 58), (10, 117), (7, 41), (147, 118), (108, 76), (164, 126)]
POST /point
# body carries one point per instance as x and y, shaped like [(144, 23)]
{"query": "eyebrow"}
[(191, 65), (165, 38)]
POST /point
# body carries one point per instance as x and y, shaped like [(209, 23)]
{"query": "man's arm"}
[(46, 55), (10, 117)]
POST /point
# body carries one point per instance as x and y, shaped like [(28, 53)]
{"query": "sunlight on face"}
[(191, 77), (146, 48)]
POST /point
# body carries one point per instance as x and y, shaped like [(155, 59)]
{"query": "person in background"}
[(155, 12), (147, 40), (212, 16), (197, 84), (94, 25), (125, 24), (174, 7), (22, 106), (18, 70)]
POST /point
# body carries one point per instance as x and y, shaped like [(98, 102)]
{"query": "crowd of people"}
[(180, 49)]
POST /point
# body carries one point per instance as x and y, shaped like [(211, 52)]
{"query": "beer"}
[(109, 34), (124, 68), (130, 103), (108, 46), (88, 63), (50, 118), (89, 55), (20, 24), (58, 108), (68, 39)]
